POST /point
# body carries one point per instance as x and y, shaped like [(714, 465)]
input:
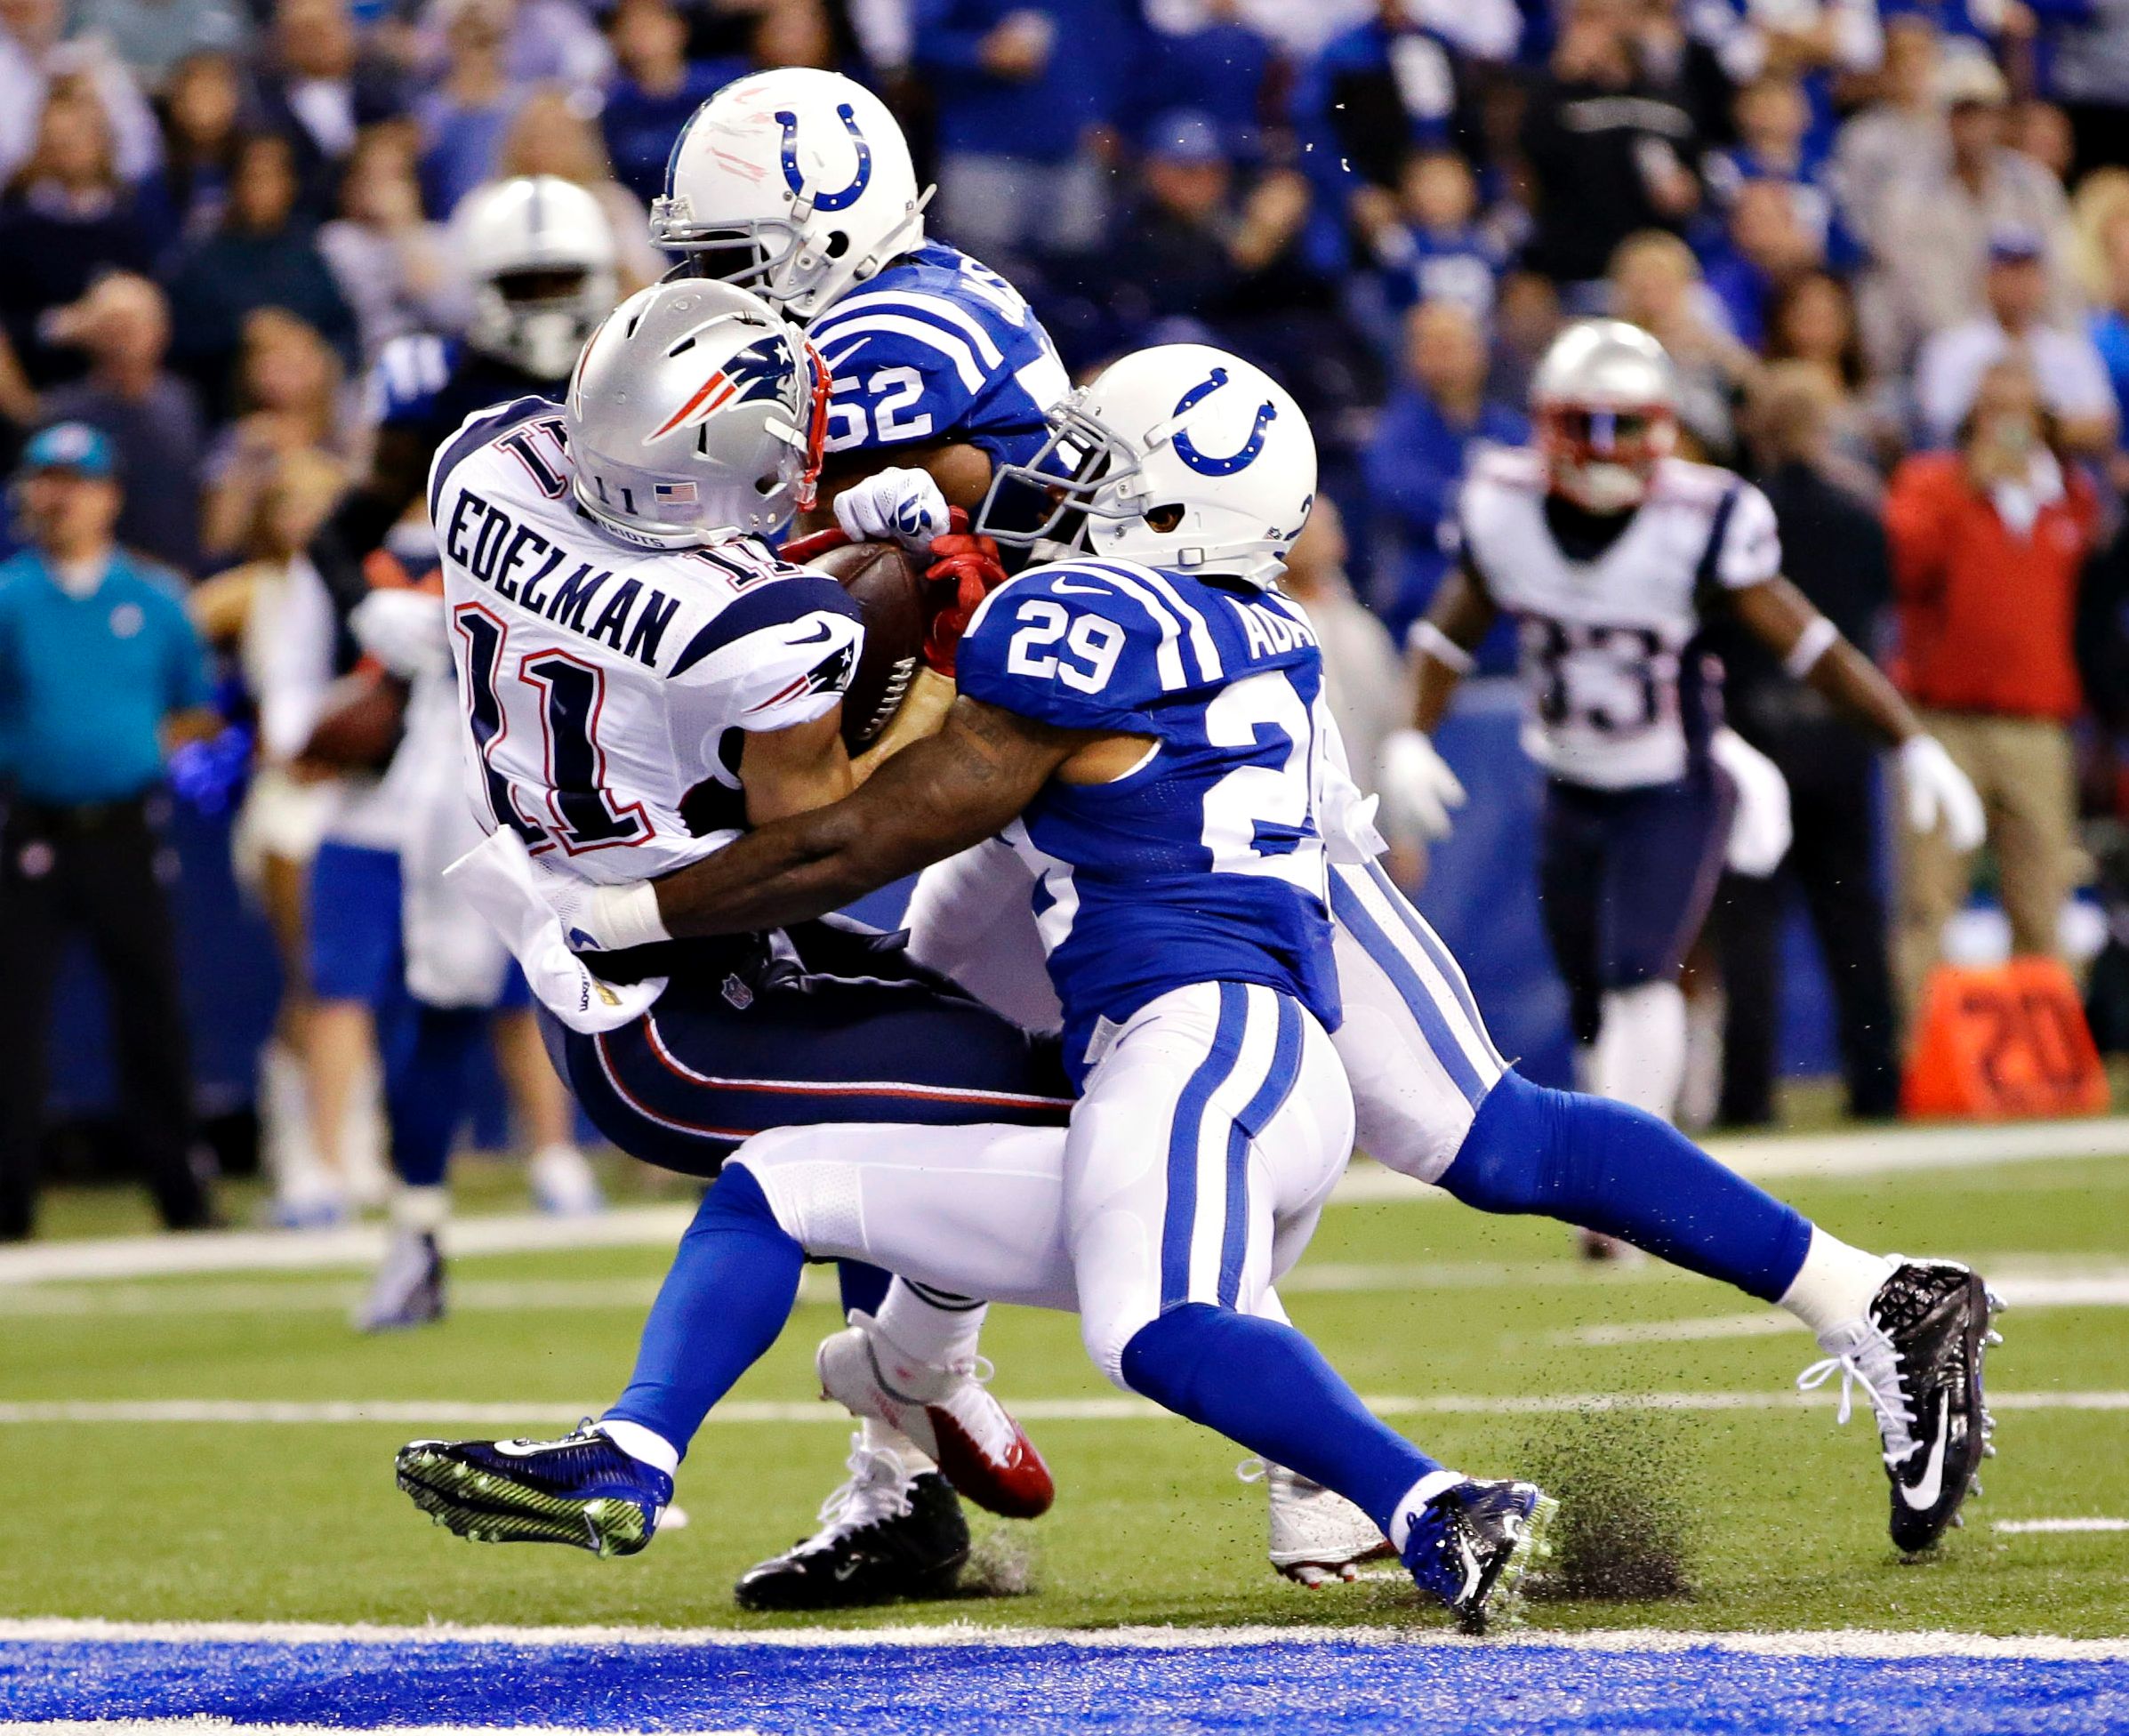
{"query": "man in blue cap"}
[(99, 673)]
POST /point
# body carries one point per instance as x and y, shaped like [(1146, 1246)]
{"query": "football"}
[(888, 588), (359, 727)]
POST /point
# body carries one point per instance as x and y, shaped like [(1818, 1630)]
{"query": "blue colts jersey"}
[(939, 348), (1204, 864)]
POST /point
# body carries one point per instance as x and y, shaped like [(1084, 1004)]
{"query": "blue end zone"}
[(1054, 1687)]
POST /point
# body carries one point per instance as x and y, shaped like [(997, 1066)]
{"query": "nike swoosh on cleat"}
[(847, 1569), (1923, 1495)]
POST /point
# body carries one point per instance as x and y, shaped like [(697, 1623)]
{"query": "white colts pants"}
[(1198, 1160), (1413, 1044)]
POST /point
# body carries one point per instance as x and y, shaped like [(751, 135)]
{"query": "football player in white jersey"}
[(1610, 552), (1143, 723)]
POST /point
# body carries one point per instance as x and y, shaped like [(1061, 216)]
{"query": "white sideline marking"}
[(1803, 1643), (533, 1413), (2029, 1527), (1764, 1157)]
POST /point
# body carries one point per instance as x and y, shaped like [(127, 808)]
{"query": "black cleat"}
[(1472, 1545), (884, 1536), (1917, 1355), (581, 1489)]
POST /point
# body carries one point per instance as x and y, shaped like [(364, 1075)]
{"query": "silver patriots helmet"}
[(1606, 409)]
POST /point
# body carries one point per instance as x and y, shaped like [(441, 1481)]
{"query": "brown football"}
[(887, 587), (359, 727)]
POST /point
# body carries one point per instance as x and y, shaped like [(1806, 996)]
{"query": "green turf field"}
[(1781, 1516)]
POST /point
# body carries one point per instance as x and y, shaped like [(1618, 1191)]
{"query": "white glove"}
[(1760, 830), (1417, 787), (895, 506), (405, 630), (501, 881), (1939, 793)]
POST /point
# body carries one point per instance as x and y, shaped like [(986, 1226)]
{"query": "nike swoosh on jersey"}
[(1064, 586), (821, 632), (1923, 1496)]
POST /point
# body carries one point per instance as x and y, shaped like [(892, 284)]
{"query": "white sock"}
[(1415, 1498), (1835, 1283), (639, 1443), (1640, 1053), (422, 1209), (925, 1333)]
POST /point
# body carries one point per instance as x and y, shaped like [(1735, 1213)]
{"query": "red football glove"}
[(965, 569), (800, 549)]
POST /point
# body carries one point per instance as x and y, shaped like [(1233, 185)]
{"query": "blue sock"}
[(1603, 1166), (1261, 1383), (733, 1281), (863, 1287), (427, 1064)]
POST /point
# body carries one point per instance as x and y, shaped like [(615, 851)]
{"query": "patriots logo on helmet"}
[(762, 370)]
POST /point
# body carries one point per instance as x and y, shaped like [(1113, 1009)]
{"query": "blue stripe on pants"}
[(1270, 1098), (1183, 1138), (1438, 954), (1346, 906)]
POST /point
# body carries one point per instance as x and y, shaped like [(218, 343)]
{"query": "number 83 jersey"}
[(1618, 698), (1205, 862)]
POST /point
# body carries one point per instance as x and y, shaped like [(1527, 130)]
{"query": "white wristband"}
[(1811, 644), (1430, 641), (627, 916)]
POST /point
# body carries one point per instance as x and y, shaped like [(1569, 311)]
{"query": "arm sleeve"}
[(1751, 550), (1079, 655)]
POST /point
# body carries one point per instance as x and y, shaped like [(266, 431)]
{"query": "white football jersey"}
[(609, 689), (1615, 696)]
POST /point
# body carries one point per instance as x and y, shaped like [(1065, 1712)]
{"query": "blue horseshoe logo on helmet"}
[(796, 181), (1266, 413)]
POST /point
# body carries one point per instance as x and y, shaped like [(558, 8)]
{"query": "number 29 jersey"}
[(1205, 862), (609, 689), (1619, 697)]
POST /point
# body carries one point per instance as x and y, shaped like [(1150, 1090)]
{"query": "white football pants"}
[(1198, 1157), (1414, 1047)]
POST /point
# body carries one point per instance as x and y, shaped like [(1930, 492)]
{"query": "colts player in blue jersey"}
[(1145, 727)]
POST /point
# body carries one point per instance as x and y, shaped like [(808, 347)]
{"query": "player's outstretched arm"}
[(932, 798), (1459, 617)]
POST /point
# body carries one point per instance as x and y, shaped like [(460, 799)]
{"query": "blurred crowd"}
[(1886, 242)]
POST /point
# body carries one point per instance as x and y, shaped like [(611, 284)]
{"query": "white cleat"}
[(1318, 1536), (947, 1413)]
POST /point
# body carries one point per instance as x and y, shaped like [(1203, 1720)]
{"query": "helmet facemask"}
[(1084, 470), (1603, 458), (538, 319)]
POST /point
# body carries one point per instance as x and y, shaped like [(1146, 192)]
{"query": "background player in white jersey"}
[(1144, 727), (1610, 553)]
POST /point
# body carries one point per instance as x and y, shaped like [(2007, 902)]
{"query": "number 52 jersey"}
[(1205, 863), (609, 689)]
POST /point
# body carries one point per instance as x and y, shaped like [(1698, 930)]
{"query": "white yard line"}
[(1807, 1642), (461, 1413), (2051, 1527), (1871, 1152)]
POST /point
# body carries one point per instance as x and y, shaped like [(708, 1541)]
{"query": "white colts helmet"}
[(1182, 456), (696, 413), (795, 183), (1606, 408), (541, 255)]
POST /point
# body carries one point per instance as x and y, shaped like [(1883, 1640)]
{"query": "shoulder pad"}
[(1086, 644)]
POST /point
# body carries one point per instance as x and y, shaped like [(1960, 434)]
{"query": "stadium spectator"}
[(2073, 381), (552, 42), (2042, 132), (1025, 96), (1833, 547), (1774, 146), (264, 256), (1427, 241), (152, 36), (1986, 544), (2109, 247), (549, 136), (1421, 448), (202, 108), (1609, 153), (65, 219), (1207, 51), (287, 402), (1813, 322), (462, 118), (1526, 320), (33, 56), (1932, 249), (1656, 285), (1901, 134), (2087, 64), (319, 93), (393, 265), (1767, 246), (151, 417), (100, 671), (655, 90)]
